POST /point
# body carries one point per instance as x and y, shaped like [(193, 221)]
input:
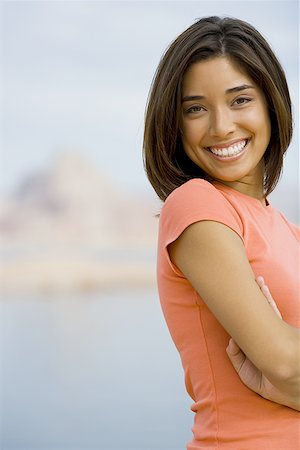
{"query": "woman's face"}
[(225, 123)]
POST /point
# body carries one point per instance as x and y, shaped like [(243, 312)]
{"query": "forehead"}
[(216, 73)]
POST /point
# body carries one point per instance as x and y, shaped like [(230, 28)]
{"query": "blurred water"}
[(98, 371)]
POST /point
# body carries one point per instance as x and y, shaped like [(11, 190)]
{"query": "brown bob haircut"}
[(165, 161)]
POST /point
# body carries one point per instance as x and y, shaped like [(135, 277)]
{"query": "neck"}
[(253, 190)]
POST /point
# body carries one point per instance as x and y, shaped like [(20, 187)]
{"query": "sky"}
[(75, 76)]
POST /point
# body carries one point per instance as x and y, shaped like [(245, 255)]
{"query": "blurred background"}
[(86, 359)]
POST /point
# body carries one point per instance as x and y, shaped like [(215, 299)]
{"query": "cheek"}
[(189, 143), (191, 149), (250, 120), (192, 133), (258, 122)]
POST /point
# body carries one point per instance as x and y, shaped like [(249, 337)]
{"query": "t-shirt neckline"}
[(253, 200)]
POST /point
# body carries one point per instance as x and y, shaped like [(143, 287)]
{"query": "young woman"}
[(218, 123)]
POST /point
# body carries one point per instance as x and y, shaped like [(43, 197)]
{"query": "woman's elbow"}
[(287, 373)]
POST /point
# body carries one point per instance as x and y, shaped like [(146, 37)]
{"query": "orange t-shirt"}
[(228, 415)]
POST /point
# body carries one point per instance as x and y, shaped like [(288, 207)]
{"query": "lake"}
[(92, 372)]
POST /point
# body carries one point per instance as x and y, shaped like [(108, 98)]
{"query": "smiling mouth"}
[(227, 152)]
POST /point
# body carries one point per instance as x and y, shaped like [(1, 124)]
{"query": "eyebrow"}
[(189, 98)]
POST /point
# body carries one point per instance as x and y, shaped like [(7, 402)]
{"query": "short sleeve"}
[(192, 202)]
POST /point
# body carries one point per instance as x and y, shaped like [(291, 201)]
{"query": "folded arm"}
[(250, 375), (214, 260)]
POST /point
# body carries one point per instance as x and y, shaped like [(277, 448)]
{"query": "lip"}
[(229, 158), (228, 144)]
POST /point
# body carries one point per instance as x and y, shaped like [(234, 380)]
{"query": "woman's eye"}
[(194, 109), (242, 101)]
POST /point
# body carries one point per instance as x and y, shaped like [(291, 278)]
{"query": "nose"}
[(221, 123)]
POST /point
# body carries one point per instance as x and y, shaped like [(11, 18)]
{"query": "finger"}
[(233, 347), (265, 290), (260, 281), (236, 356)]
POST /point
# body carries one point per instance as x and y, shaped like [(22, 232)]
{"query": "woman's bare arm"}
[(211, 255), (250, 375)]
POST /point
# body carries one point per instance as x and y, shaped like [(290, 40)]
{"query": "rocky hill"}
[(72, 228)]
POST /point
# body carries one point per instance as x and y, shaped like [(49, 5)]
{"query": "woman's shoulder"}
[(194, 190), (194, 195), (197, 200), (194, 184)]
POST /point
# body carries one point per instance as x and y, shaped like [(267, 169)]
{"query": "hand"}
[(265, 290), (250, 375)]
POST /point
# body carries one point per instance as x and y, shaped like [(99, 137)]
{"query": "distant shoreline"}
[(72, 276)]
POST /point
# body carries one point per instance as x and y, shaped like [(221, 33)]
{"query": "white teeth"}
[(229, 151)]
